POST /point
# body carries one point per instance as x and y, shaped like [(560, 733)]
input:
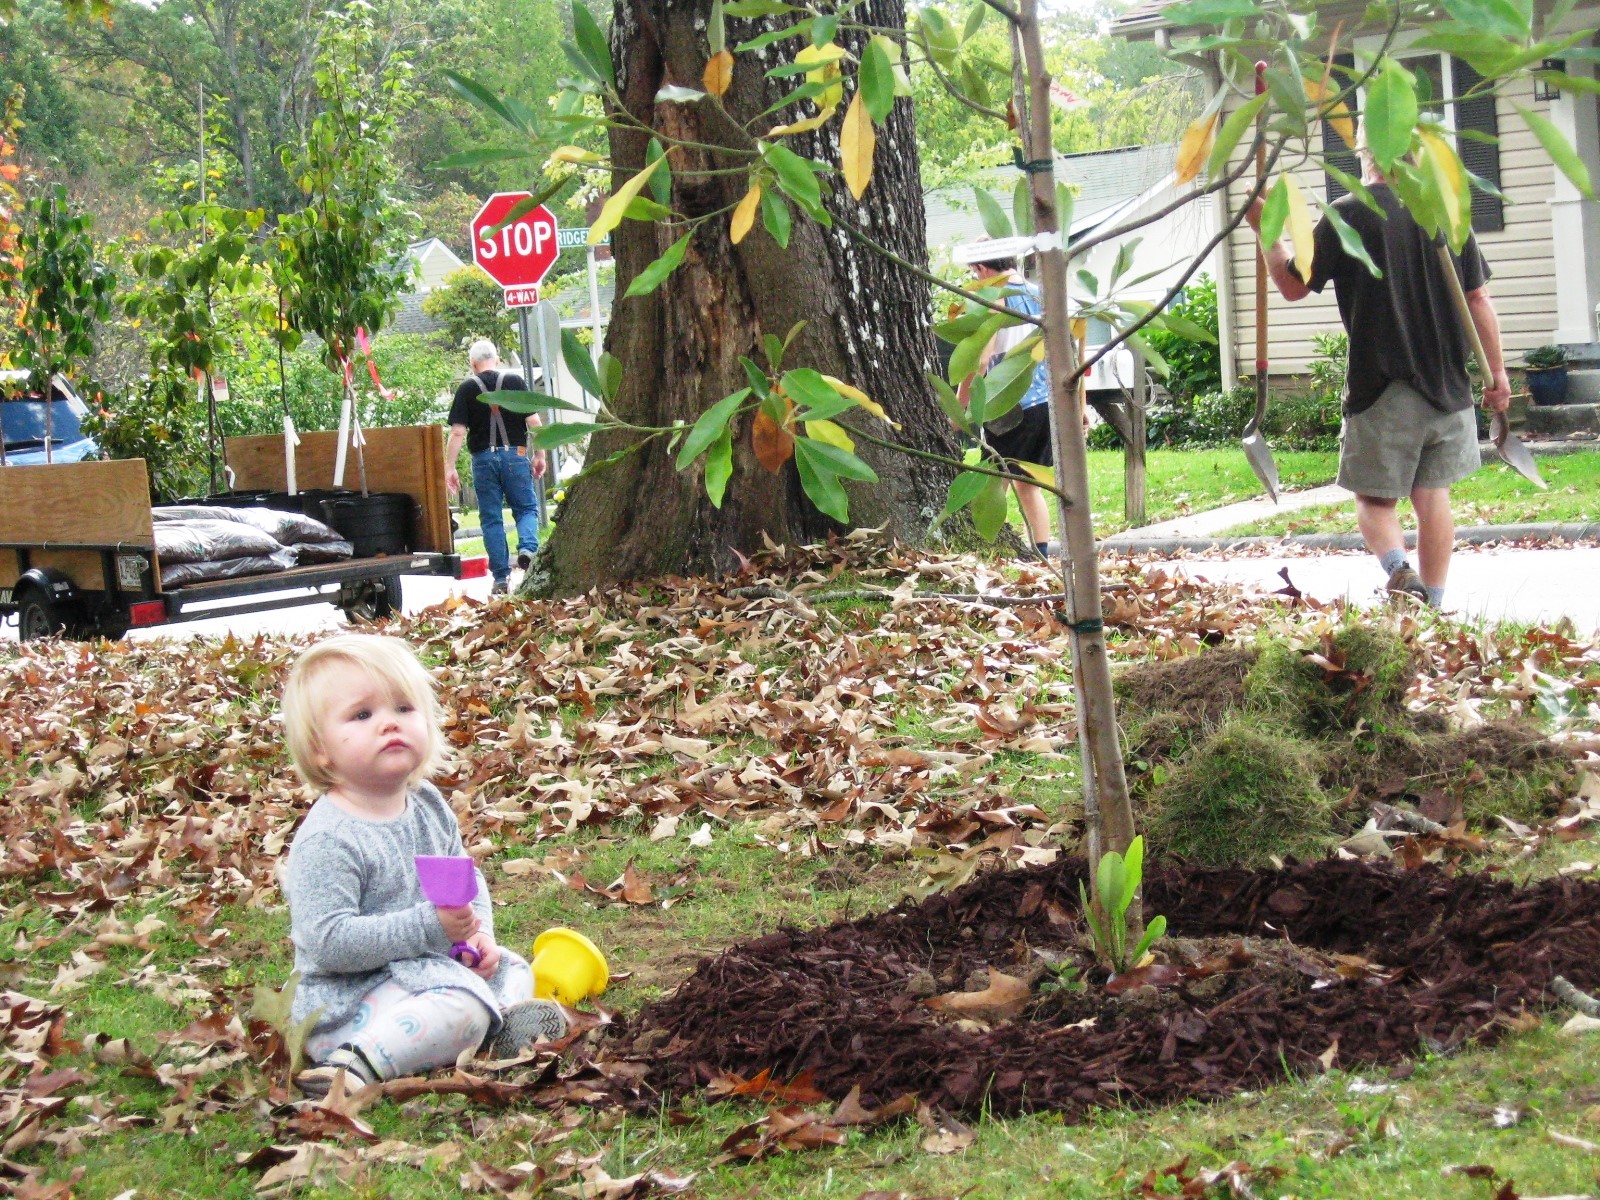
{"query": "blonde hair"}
[(387, 661)]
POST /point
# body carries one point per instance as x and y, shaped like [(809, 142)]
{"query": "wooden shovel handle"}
[(1458, 300), (1261, 254)]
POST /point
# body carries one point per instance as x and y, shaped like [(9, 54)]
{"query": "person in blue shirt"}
[(1023, 434)]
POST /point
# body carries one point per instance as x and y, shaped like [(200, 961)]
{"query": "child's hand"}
[(459, 923), (488, 955)]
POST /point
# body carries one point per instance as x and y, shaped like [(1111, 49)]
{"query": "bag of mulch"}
[(180, 542), (176, 574), (306, 553), (287, 527)]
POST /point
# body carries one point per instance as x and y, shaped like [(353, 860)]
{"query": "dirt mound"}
[(1202, 687), (1439, 961)]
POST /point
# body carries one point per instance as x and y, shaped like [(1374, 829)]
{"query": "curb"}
[(1472, 535)]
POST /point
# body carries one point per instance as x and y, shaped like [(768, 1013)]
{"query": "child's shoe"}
[(526, 1023), (315, 1082)]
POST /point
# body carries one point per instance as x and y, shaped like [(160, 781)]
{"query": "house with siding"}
[(1542, 242)]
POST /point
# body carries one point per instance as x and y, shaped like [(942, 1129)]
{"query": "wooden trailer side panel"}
[(103, 503), (406, 458)]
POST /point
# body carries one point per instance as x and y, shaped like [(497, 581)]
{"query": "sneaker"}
[(500, 588), (316, 1082), (524, 559), (526, 1023), (1404, 581)]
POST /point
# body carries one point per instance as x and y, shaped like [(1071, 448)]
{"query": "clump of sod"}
[(1356, 677), (1247, 793)]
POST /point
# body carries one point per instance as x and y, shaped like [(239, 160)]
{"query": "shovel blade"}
[(1513, 453), (1259, 456)]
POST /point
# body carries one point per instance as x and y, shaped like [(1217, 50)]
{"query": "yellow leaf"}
[(1037, 353), (1445, 167), (745, 215), (1080, 326), (826, 58), (1195, 147), (1301, 231), (834, 435), (575, 154), (850, 392), (718, 75), (1336, 114), (806, 126), (857, 142), (1045, 475), (611, 215)]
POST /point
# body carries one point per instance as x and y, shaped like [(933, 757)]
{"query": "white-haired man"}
[(1409, 427), (501, 470)]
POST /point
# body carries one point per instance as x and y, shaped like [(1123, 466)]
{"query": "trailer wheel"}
[(377, 599), (38, 617)]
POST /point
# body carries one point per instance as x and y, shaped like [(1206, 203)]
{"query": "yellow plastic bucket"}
[(568, 967)]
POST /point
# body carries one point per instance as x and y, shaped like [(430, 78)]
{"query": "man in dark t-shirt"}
[(1409, 427), (501, 470)]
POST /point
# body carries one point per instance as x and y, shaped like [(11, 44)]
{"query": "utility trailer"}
[(77, 541)]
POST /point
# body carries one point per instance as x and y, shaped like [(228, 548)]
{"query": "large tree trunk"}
[(867, 322)]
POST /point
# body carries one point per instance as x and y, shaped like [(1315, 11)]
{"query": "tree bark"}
[(867, 320)]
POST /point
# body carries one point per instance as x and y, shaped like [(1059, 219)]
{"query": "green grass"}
[(471, 519), (1180, 482), (1495, 495)]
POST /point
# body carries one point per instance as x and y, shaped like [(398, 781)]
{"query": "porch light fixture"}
[(1543, 89)]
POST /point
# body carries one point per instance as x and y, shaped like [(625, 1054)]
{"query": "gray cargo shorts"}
[(1403, 442)]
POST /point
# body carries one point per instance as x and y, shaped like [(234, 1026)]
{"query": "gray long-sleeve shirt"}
[(357, 913)]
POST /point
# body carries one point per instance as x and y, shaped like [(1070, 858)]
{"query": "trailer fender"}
[(57, 587)]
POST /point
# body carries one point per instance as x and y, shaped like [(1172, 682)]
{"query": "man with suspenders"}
[(501, 470)]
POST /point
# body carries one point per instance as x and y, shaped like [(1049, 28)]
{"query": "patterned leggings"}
[(409, 1033)]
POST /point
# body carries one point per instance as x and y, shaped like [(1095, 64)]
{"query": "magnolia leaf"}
[(833, 435), (777, 219), (718, 75), (964, 489), (876, 79), (1351, 240), (989, 509), (860, 397), (713, 423), (744, 216), (1301, 230), (839, 461), (1195, 146), (523, 403), (1560, 150), (995, 222), (611, 214), (821, 486), (773, 445), (652, 277), (1389, 113), (579, 365), (716, 30), (575, 154), (1209, 12), (562, 433), (1232, 130), (1275, 211), (719, 467), (661, 181), (857, 143), (592, 43), (1455, 194)]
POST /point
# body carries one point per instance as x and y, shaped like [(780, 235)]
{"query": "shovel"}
[(1506, 444), (1256, 450)]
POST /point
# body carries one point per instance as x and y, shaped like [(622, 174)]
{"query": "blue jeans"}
[(504, 477)]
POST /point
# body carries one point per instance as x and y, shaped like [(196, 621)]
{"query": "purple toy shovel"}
[(450, 882)]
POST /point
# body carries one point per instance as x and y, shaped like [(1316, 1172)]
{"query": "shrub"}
[(470, 305), (1195, 367)]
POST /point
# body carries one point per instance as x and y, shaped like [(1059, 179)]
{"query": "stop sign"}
[(520, 254)]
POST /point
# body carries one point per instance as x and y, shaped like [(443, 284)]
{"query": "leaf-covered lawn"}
[(671, 771), (1495, 495)]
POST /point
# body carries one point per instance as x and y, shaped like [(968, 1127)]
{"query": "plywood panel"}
[(83, 567), (407, 458), (105, 503)]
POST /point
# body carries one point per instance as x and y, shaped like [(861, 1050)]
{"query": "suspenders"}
[(497, 424)]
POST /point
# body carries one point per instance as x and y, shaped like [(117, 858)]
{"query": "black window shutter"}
[(1481, 158), (1333, 146)]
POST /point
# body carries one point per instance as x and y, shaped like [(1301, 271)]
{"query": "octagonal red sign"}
[(521, 253)]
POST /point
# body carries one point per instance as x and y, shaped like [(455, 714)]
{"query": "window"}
[(1441, 77)]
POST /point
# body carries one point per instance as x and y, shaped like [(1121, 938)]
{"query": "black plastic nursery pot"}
[(377, 524)]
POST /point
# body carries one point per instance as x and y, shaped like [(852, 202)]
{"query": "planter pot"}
[(377, 524), (1547, 386)]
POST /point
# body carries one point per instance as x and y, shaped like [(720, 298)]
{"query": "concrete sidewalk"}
[(1215, 520), (1535, 587)]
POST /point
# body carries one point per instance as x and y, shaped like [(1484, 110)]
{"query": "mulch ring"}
[(1378, 965)]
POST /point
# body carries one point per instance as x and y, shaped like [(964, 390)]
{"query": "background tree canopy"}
[(112, 107)]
